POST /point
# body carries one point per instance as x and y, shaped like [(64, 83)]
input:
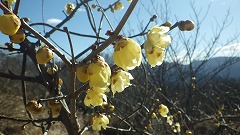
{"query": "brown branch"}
[(112, 38), (28, 120), (108, 41), (231, 117), (73, 33), (5, 9), (25, 78), (43, 39), (66, 19), (15, 11)]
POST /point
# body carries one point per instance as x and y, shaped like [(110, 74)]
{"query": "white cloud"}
[(53, 21), (229, 50), (81, 10)]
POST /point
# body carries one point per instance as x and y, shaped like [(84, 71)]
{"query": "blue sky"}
[(179, 10)]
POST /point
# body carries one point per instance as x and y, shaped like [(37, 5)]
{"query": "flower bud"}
[(94, 6), (163, 110), (34, 107), (186, 25), (18, 37), (9, 24), (153, 115), (111, 107), (55, 106), (69, 8), (104, 105), (118, 6), (51, 70), (189, 132), (10, 3), (44, 55), (168, 24)]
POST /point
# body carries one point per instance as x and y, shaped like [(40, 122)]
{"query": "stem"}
[(70, 43), (15, 11), (43, 39), (112, 38)]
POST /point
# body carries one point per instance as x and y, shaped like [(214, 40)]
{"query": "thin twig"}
[(73, 33), (17, 4), (66, 19), (70, 43), (43, 39), (28, 120), (17, 77), (112, 38)]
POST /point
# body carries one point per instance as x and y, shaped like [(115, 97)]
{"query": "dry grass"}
[(11, 105)]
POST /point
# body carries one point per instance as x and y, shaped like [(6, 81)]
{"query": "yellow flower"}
[(69, 8), (163, 110), (157, 36), (155, 55), (127, 54), (18, 37), (44, 55), (118, 6), (95, 96), (120, 81), (9, 24), (55, 106), (94, 5), (34, 107), (153, 115), (177, 128), (10, 3), (129, 0), (82, 74), (99, 121), (99, 74), (51, 70), (170, 120)]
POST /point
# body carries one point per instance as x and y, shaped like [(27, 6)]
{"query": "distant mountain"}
[(225, 66)]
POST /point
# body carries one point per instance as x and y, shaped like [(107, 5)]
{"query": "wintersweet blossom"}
[(118, 6), (44, 55), (10, 3), (95, 96), (170, 120), (120, 80), (18, 37), (82, 74), (155, 56), (99, 74), (163, 110), (177, 128), (9, 24), (69, 8), (127, 54), (157, 36), (55, 106), (34, 107), (99, 121)]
